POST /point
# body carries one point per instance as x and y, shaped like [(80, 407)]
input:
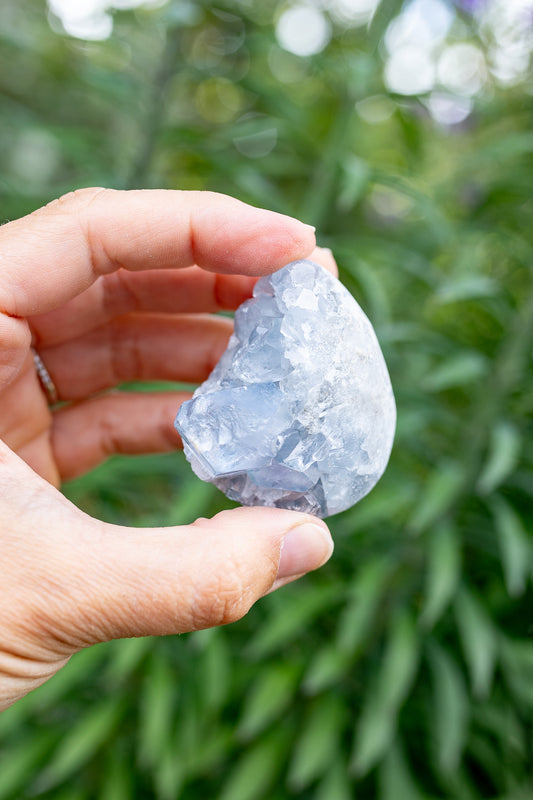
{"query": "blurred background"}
[(403, 131)]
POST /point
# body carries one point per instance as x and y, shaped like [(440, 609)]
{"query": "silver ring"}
[(45, 380)]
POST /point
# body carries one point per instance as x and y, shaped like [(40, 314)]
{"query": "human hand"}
[(111, 287)]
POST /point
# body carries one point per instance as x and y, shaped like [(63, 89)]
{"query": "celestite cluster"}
[(299, 412)]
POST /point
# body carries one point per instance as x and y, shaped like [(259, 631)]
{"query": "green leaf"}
[(169, 773), (450, 710), (289, 620), (157, 712), (375, 730), (269, 696), (395, 676), (469, 287), (514, 544), (214, 672), (400, 661), (21, 761), (256, 770), (83, 742), (126, 656), (118, 783), (336, 784), (356, 174), (442, 574), (318, 741), (327, 667), (440, 492), (478, 639), (364, 595), (504, 452), (517, 664), (395, 779), (211, 748), (457, 370)]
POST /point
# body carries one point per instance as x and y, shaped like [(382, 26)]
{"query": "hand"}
[(111, 287)]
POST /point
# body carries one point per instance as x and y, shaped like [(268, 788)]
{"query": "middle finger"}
[(138, 347)]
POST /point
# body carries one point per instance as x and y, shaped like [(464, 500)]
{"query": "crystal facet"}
[(299, 412)]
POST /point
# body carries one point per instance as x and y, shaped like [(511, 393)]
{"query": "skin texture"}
[(111, 287)]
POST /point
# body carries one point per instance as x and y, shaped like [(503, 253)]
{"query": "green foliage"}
[(404, 668)]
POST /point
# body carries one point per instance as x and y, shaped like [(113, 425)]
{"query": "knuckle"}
[(83, 197), (124, 351), (225, 599)]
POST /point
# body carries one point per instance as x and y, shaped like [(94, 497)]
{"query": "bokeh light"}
[(90, 19), (461, 68), (351, 12), (303, 30)]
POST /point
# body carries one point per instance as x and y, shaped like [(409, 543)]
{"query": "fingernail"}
[(311, 227), (304, 548)]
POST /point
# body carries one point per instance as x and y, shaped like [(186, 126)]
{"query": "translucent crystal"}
[(299, 412)]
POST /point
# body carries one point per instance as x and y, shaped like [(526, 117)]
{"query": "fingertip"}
[(324, 256), (305, 547), (241, 239)]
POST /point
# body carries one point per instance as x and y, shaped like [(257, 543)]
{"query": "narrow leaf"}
[(317, 743), (364, 597), (395, 779), (375, 730), (442, 574), (377, 724), (517, 664), (127, 655), (118, 783), (157, 710), (457, 370), (400, 661), (214, 672), (451, 709), (441, 490), (169, 774), (478, 639), (504, 452), (470, 287), (268, 697), (290, 619), (327, 667), (256, 771), (84, 740), (20, 761), (514, 546), (336, 784)]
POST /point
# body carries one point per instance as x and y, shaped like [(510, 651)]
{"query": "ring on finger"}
[(47, 384)]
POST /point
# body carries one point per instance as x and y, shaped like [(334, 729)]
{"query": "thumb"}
[(139, 582), (68, 581), (81, 581)]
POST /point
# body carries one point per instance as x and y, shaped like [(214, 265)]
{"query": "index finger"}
[(57, 252)]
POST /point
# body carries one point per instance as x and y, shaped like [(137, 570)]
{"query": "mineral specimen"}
[(299, 412)]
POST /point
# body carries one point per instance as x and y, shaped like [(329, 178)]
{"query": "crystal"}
[(299, 412)]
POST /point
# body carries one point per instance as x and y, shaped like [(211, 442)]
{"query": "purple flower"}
[(471, 6)]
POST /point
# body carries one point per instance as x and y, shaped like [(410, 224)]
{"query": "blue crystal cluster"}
[(299, 412)]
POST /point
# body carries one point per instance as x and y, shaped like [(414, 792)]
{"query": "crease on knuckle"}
[(225, 599), (125, 362), (100, 259), (110, 442), (118, 294)]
